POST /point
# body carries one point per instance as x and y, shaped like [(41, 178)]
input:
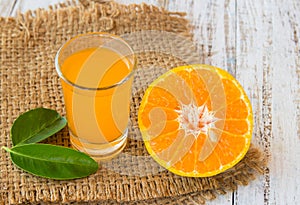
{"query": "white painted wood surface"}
[(6, 7), (258, 42)]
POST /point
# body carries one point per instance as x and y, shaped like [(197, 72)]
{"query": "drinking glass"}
[(96, 73)]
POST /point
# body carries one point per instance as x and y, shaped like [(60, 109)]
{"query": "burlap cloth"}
[(28, 80)]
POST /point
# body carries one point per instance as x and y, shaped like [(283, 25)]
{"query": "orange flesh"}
[(233, 139)]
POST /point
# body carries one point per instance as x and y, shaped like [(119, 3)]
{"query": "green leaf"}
[(36, 125), (51, 161)]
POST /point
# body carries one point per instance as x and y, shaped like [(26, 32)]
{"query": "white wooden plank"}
[(267, 67), (251, 36), (285, 144), (213, 24), (6, 7)]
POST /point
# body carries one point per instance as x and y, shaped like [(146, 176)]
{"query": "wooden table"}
[(258, 42)]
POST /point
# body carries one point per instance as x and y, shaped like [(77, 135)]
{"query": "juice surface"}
[(95, 67), (96, 116)]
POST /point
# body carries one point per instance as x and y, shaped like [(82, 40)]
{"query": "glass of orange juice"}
[(96, 73)]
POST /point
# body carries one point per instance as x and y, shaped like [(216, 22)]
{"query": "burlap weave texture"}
[(28, 80)]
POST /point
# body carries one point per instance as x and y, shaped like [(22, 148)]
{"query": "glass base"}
[(99, 152)]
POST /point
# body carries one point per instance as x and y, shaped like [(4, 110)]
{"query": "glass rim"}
[(112, 36)]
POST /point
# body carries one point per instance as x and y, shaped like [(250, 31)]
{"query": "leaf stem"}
[(5, 148)]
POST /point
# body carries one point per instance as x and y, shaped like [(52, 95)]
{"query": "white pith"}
[(196, 119)]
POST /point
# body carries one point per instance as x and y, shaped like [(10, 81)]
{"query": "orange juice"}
[(97, 96)]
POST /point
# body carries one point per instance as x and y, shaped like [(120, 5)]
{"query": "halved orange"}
[(196, 120)]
